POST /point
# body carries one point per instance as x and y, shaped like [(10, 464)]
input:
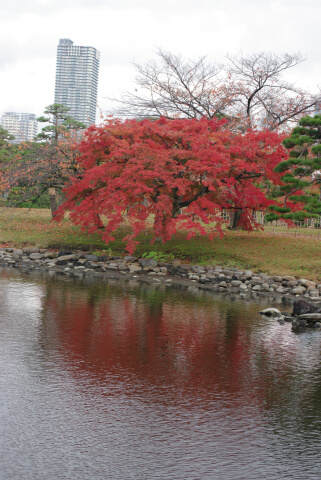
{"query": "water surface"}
[(125, 381)]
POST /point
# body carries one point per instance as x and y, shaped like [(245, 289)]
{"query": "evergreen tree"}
[(59, 121), (302, 172)]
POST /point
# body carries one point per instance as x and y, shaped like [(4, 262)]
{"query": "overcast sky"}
[(131, 30)]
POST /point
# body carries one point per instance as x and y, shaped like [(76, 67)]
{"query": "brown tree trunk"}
[(54, 200), (235, 216)]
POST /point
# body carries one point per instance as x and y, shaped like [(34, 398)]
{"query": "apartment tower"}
[(22, 125), (77, 80)]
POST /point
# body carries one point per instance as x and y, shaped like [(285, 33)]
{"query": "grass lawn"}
[(261, 251)]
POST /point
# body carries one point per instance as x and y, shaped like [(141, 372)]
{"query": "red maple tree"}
[(181, 173)]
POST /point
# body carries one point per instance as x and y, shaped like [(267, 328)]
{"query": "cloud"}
[(127, 30)]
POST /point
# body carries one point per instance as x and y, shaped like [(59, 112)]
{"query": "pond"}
[(127, 381)]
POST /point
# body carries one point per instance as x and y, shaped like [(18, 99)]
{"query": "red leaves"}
[(181, 173)]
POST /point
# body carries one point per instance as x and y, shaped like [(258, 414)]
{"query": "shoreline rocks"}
[(209, 277)]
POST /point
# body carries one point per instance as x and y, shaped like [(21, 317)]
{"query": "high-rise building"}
[(22, 125), (77, 80)]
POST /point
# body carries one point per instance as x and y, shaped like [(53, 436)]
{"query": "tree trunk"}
[(54, 200), (235, 216)]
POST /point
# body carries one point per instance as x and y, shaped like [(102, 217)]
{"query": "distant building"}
[(77, 80), (22, 125)]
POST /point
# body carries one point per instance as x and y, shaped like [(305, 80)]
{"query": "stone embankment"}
[(216, 278)]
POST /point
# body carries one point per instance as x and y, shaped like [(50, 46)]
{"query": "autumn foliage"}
[(181, 173)]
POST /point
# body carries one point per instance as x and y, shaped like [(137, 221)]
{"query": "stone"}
[(122, 266), (236, 283), (248, 273), (130, 259), (148, 263), (256, 281), (65, 259), (222, 284), (18, 252), (243, 287), (271, 312), (307, 283), (36, 256), (317, 325), (298, 290), (256, 288), (63, 253), (279, 289), (50, 255), (289, 278), (134, 268), (314, 292), (194, 277), (277, 278), (293, 283), (29, 250), (301, 307), (176, 263), (91, 258)]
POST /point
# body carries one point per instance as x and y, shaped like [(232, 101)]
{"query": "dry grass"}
[(260, 251)]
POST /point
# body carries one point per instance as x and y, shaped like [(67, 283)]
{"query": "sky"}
[(127, 31)]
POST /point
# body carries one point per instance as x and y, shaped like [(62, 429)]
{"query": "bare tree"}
[(262, 95), (172, 87), (250, 89)]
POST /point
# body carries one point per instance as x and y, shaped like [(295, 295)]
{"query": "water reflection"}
[(121, 380)]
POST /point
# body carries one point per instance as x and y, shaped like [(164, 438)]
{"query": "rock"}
[(271, 312), (122, 267), (293, 283), (248, 273), (222, 284), (63, 253), (299, 290), (91, 258), (307, 283), (127, 258), (236, 283), (300, 307), (50, 255), (279, 289), (36, 256), (302, 322), (176, 263), (257, 288), (289, 278), (317, 325), (256, 281), (64, 259), (314, 292), (281, 321), (310, 316), (18, 252), (134, 268), (29, 250), (277, 278), (148, 262), (243, 287), (193, 276)]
